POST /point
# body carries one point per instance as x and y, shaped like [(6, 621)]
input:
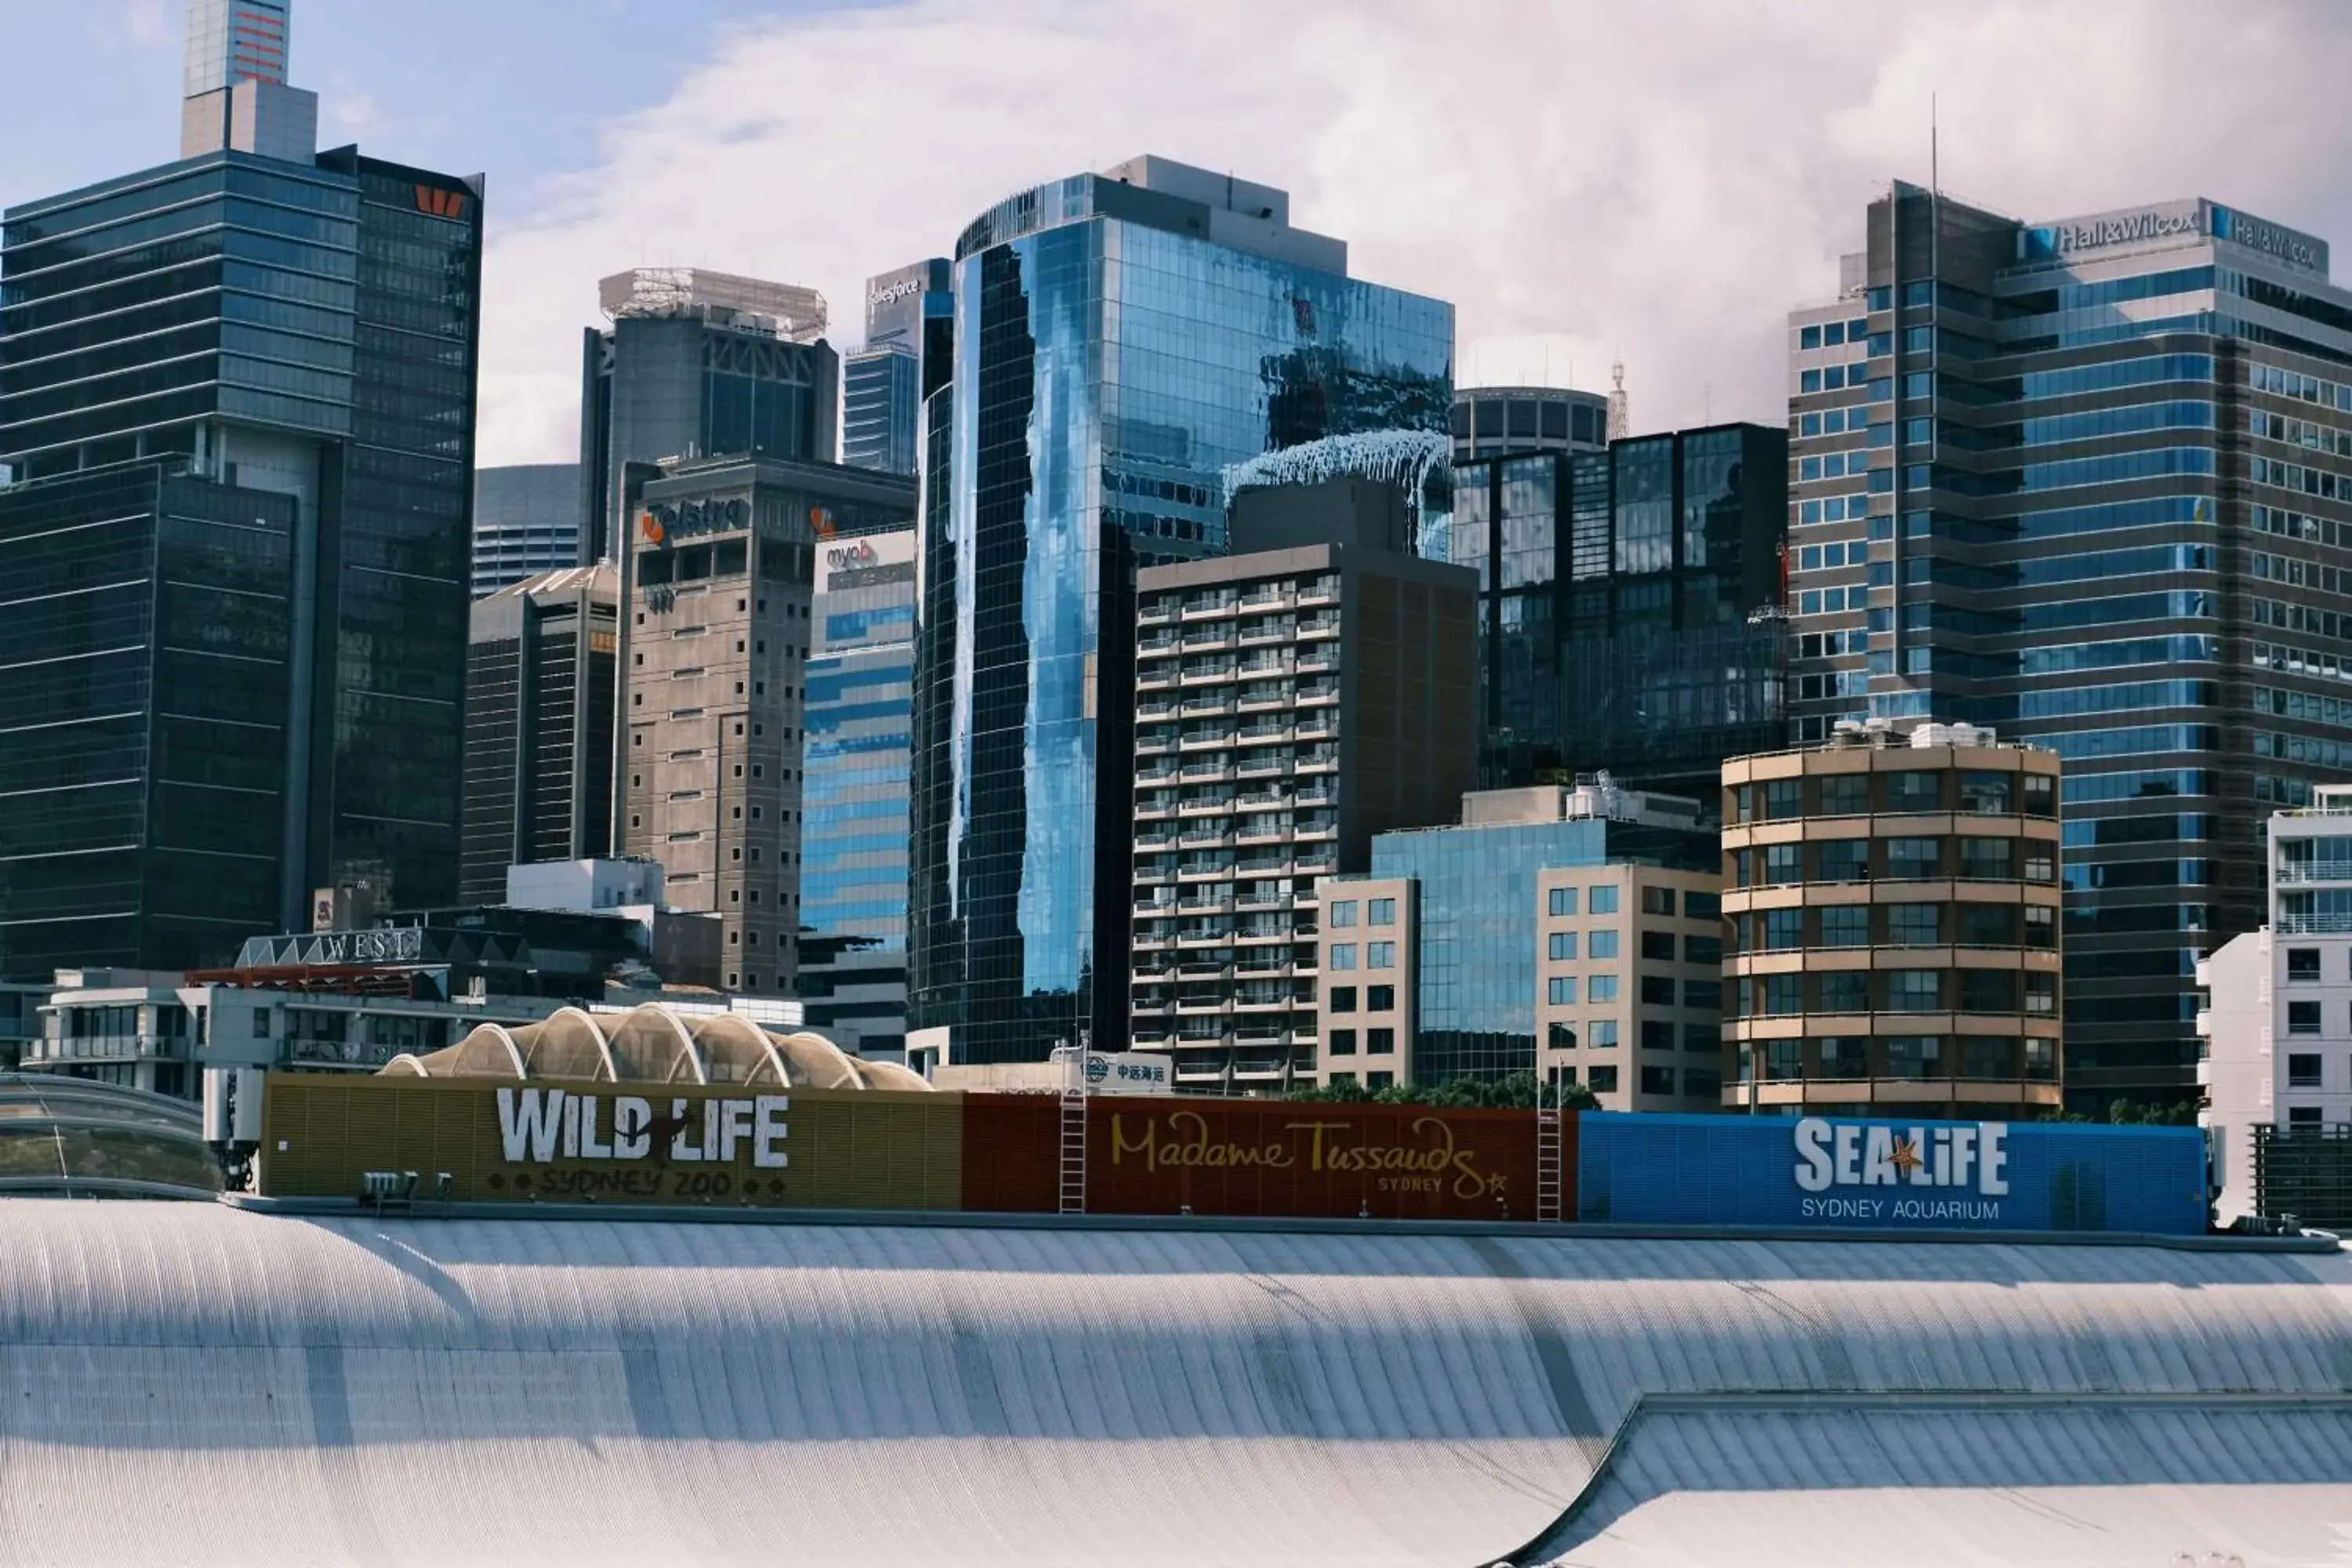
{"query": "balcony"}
[(1263, 903), (1156, 708), (1209, 676), (1259, 637), (2313, 925), (1158, 644), (1317, 696), (1206, 704), (2303, 873), (1316, 763), (1204, 873), (1155, 615), (1223, 805), (1217, 970), (1151, 746), (1322, 656), (1311, 626), (1154, 676), (1208, 610), (1202, 938), (1209, 636), (1201, 1006), (1212, 770), (1205, 836), (1161, 775), (1151, 940)]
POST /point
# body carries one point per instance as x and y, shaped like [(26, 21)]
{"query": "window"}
[(1658, 945), (1845, 1055), (1914, 925), (1988, 990), (1563, 901), (1782, 995), (1561, 990), (1845, 925), (1657, 1036), (1343, 999), (1380, 1042), (2040, 926), (2302, 1119), (1987, 859), (1380, 998), (1704, 1083), (1603, 944), (1844, 860), (2302, 1070), (1602, 1078), (1912, 859), (1343, 913), (1706, 993), (1560, 946), (1783, 799), (2041, 994), (1380, 956), (1988, 795), (1342, 1042), (1780, 864), (1914, 1056), (1601, 1034), (1343, 955), (1914, 792), (1703, 906), (1783, 930), (1702, 949), (1379, 912), (1845, 795), (1604, 988), (2040, 792), (261, 1025), (1657, 1080), (1657, 991), (1845, 991), (1657, 901), (2303, 964), (1915, 990), (1988, 925), (1603, 902), (2041, 861), (1702, 1037), (2041, 1060), (2303, 1017)]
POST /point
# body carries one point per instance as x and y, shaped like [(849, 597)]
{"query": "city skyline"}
[(1544, 225)]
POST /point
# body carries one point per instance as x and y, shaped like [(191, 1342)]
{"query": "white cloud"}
[(1660, 180)]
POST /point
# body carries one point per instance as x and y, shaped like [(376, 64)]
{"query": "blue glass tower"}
[(1121, 339), (853, 791)]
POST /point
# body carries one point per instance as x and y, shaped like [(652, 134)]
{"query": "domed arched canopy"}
[(655, 1043)]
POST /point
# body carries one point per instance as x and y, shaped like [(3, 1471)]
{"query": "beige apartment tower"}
[(1893, 939)]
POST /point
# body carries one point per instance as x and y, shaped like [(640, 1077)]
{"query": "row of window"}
[(1602, 1078), (1834, 509), (1377, 998), (2311, 706), (1829, 334), (1899, 859), (1965, 924), (1897, 991), (1916, 1056), (1377, 1042), (1341, 955), (1657, 991), (1377, 912), (1975, 792)]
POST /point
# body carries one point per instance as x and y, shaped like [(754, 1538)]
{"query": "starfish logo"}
[(1905, 1157)]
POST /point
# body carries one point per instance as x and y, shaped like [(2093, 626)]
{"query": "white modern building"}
[(2276, 1034)]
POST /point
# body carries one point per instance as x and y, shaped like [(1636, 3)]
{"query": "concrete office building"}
[(715, 639), (2086, 482), (1630, 985), (1461, 984), (542, 662), (1630, 621), (854, 793), (1291, 701), (526, 522), (696, 364), (1492, 421), (1893, 930), (256, 317), (1121, 340), (2276, 1035), (910, 353)]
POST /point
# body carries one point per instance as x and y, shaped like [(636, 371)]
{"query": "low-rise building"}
[(1894, 926), (1456, 956), (2276, 1034)]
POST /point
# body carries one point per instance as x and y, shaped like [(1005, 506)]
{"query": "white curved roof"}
[(198, 1382)]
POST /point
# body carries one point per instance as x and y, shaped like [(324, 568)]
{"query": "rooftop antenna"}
[(1620, 425)]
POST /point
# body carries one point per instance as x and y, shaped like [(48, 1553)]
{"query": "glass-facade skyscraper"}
[(1121, 339), (2090, 482), (855, 763), (305, 326), (1617, 587), (526, 522), (909, 354)]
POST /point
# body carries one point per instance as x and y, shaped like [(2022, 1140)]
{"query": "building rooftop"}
[(605, 1390), (787, 310)]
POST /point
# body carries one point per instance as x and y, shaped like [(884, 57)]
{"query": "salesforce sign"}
[(1889, 1174)]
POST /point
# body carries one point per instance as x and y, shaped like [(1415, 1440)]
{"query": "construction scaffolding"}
[(788, 310)]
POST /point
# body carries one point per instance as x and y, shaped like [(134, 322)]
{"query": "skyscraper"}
[(2090, 482), (909, 353), (540, 695), (265, 318), (1121, 340), (853, 791), (1617, 588), (526, 522)]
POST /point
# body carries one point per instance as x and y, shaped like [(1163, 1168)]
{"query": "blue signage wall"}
[(1842, 1174)]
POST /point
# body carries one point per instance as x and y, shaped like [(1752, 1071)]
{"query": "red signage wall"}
[(1260, 1157)]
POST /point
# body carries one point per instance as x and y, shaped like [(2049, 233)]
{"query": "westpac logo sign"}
[(1871, 1173)]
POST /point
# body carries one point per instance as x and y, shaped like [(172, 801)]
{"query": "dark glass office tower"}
[(308, 327), (909, 354), (144, 620), (1121, 339), (2090, 482), (540, 706), (1618, 588)]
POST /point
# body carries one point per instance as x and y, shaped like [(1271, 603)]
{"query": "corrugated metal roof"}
[(2135, 1485), (196, 1381)]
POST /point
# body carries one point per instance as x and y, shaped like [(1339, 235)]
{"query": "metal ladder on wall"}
[(1550, 1158), (1074, 1134)]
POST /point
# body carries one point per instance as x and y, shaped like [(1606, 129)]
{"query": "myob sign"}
[(1871, 1172)]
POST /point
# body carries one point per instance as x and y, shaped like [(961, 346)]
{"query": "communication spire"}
[(1620, 424)]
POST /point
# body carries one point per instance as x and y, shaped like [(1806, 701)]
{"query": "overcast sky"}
[(1657, 182)]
